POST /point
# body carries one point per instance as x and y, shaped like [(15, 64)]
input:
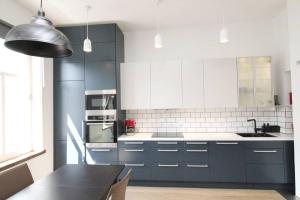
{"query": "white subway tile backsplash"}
[(211, 120)]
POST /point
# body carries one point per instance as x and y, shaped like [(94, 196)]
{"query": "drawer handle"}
[(167, 143), (167, 150), (227, 143), (134, 150), (196, 150), (193, 143), (134, 165), (101, 150), (160, 165), (197, 166), (265, 151), (133, 142), (103, 164)]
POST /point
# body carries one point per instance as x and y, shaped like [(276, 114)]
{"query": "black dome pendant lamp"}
[(39, 38)]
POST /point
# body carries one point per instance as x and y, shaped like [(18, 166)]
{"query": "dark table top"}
[(84, 182)]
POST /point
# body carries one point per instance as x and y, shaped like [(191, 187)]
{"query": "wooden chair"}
[(118, 190), (14, 180)]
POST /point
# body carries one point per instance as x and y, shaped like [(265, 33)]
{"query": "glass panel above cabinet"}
[(255, 81)]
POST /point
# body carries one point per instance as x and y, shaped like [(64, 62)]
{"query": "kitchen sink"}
[(255, 135)]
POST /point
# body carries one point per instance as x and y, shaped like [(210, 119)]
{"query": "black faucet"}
[(255, 128)]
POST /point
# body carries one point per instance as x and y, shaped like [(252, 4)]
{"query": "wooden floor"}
[(163, 193)]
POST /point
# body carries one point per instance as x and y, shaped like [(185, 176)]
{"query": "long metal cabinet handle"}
[(134, 150), (265, 151), (104, 164), (196, 150), (227, 143), (167, 150), (160, 165), (134, 165), (167, 142), (193, 143), (102, 150), (197, 166), (133, 142)]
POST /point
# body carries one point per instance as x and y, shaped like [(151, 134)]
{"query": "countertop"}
[(207, 137)]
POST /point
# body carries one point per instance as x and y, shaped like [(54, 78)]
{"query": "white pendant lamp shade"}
[(224, 35), (87, 45), (158, 41)]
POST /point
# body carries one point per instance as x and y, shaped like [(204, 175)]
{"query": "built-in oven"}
[(100, 132), (100, 100)]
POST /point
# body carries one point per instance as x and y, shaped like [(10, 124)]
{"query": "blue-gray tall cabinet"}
[(98, 70)]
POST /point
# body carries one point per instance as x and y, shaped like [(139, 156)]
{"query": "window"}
[(20, 103)]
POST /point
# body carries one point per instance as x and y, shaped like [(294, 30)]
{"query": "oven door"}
[(100, 132)]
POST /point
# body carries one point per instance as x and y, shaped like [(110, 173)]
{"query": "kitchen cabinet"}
[(220, 83), (135, 155), (69, 110), (227, 161), (101, 156), (68, 152), (255, 81), (100, 75), (135, 86), (166, 88), (192, 84)]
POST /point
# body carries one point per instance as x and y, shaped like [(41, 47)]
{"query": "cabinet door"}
[(227, 162), (166, 88), (220, 83), (135, 85), (192, 84), (68, 152), (100, 75), (68, 110)]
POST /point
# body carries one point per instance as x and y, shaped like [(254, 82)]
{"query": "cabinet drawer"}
[(166, 154), (167, 171), (195, 155), (133, 154), (268, 156), (196, 171), (102, 155), (167, 144), (140, 170), (133, 144), (265, 173), (196, 145), (266, 145)]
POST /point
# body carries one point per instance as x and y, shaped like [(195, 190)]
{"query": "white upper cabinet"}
[(166, 88), (135, 86), (192, 84), (220, 81), (255, 81)]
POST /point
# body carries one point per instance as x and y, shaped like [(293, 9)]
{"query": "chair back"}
[(14, 180), (118, 190)]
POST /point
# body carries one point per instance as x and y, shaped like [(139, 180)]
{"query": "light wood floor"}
[(162, 193)]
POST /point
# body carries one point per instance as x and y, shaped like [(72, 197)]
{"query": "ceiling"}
[(134, 15)]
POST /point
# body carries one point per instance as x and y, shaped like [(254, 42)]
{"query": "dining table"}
[(73, 182)]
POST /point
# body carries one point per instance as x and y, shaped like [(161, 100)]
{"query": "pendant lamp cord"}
[(41, 11), (42, 4), (87, 21), (157, 17)]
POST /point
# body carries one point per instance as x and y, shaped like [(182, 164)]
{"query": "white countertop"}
[(207, 137)]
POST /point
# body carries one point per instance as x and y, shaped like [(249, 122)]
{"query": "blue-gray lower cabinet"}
[(250, 162), (136, 155), (227, 161), (102, 156)]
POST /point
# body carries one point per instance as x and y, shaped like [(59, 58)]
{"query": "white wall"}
[(40, 166), (293, 7), (246, 39)]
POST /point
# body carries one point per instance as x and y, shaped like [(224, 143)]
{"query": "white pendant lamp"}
[(157, 38), (224, 32), (87, 44)]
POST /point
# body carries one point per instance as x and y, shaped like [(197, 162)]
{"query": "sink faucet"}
[(255, 128)]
